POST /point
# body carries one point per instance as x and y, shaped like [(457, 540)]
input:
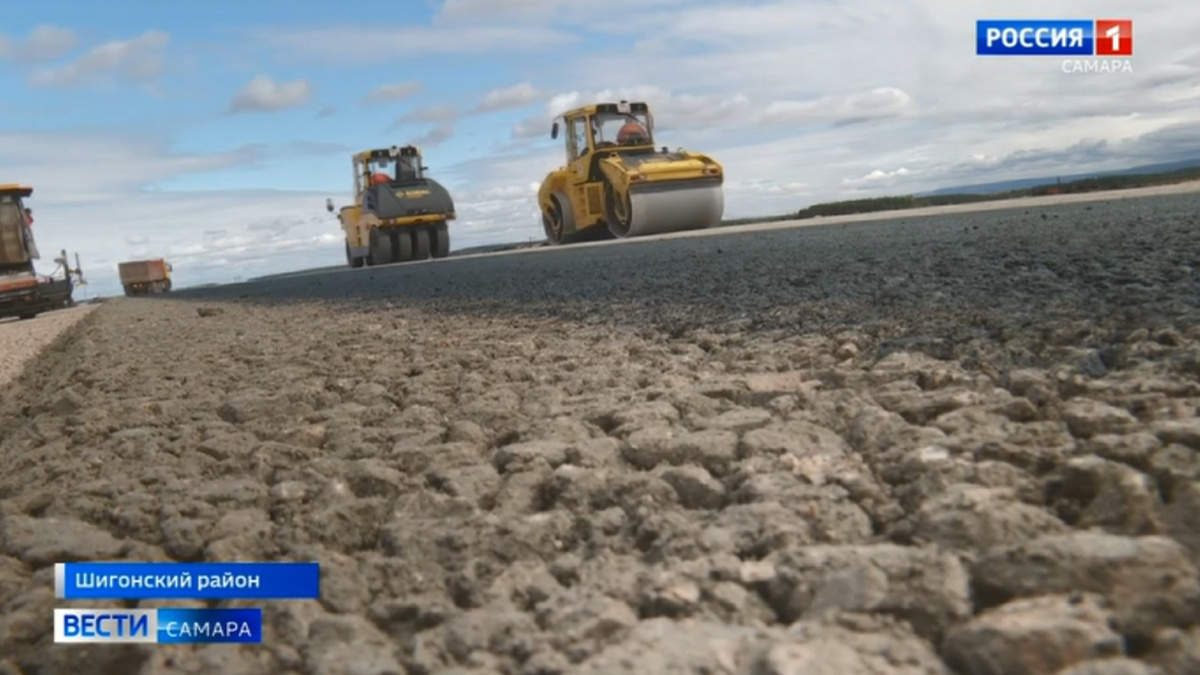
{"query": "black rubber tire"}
[(616, 227), (421, 248), (383, 247), (167, 286), (403, 243), (441, 240), (553, 224), (353, 261)]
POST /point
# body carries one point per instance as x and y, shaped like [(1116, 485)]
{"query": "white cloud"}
[(266, 95), (365, 45), (44, 43), (542, 11), (139, 60), (434, 114), (436, 136), (391, 93), (878, 103), (516, 96), (531, 127), (878, 177), (456, 10), (116, 163)]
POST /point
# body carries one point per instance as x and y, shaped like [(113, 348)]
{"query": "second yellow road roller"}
[(399, 213), (617, 184)]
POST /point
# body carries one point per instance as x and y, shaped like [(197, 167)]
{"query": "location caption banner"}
[(163, 625), (187, 581)]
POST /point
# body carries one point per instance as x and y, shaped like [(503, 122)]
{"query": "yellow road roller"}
[(617, 184), (399, 213)]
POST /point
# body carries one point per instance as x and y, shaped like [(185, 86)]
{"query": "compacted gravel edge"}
[(21, 342)]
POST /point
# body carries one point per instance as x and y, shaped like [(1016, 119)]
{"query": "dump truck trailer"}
[(140, 277), (23, 293)]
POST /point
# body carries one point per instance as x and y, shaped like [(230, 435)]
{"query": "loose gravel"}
[(964, 444), (22, 341)]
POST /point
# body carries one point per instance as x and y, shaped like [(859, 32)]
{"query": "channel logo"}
[(164, 625), (1100, 37)]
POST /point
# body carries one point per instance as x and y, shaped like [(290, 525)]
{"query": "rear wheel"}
[(403, 245), (420, 237), (441, 240), (353, 260), (382, 247), (554, 223), (619, 211)]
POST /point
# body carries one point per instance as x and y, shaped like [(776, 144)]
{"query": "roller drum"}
[(674, 208)]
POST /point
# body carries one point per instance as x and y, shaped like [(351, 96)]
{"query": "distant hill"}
[(1026, 183)]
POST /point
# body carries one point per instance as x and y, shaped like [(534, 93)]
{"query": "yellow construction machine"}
[(617, 184), (399, 214), (23, 292)]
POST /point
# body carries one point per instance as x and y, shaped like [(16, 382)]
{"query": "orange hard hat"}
[(380, 178)]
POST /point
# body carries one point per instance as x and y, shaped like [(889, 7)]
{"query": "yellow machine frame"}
[(589, 197)]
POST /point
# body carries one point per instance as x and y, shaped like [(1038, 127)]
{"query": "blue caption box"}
[(165, 625), (1019, 37), (187, 581)]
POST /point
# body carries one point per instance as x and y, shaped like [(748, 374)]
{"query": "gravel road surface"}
[(22, 341), (958, 444)]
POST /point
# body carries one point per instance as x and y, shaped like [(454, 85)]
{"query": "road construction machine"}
[(141, 277), (617, 184), (23, 292), (399, 213)]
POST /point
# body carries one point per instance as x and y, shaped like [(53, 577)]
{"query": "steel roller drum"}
[(675, 208)]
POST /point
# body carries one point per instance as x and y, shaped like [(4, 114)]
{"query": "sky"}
[(212, 133)]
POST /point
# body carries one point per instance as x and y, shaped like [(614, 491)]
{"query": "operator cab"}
[(620, 126), (12, 208), (391, 165), (385, 167), (626, 130)]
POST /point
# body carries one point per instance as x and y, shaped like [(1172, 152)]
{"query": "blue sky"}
[(212, 133)]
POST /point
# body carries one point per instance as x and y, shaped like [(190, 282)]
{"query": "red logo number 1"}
[(1114, 37)]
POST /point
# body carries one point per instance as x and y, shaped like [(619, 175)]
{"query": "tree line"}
[(897, 203)]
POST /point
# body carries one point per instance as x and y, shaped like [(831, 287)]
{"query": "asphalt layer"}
[(1121, 259)]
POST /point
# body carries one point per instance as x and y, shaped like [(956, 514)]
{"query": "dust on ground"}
[(964, 445)]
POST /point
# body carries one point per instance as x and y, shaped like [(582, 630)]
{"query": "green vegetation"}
[(844, 208)]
